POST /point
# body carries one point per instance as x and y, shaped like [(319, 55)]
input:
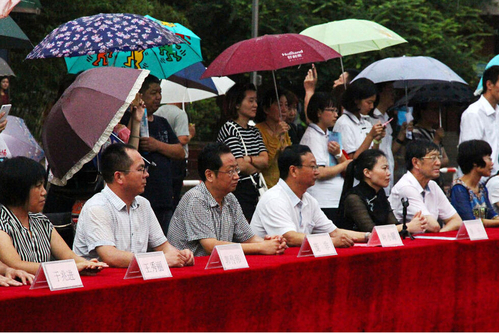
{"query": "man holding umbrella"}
[(160, 147), (480, 121)]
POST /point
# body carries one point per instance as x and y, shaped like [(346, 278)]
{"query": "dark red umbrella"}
[(84, 117), (269, 53)]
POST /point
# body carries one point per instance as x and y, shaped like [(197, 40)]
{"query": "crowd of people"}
[(265, 185)]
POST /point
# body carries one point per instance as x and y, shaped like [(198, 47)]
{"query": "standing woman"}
[(323, 114), (271, 121), (365, 206), (27, 238), (357, 133), (4, 90), (246, 144)]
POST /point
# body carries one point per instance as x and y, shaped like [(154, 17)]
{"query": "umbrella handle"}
[(277, 95)]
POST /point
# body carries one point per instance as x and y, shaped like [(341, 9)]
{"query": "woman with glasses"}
[(271, 121), (365, 206), (469, 196), (323, 113), (27, 238), (245, 143)]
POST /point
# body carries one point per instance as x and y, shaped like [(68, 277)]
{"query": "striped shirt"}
[(232, 138), (34, 247), (198, 216)]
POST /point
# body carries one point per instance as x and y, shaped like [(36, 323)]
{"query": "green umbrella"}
[(353, 36), (11, 36)]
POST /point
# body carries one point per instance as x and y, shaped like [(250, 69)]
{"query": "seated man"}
[(422, 158), (210, 215), (286, 209), (117, 222)]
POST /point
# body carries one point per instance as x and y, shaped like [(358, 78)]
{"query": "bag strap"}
[(245, 150)]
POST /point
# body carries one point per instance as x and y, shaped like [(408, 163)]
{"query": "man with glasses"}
[(422, 158), (118, 222), (288, 210), (209, 214)]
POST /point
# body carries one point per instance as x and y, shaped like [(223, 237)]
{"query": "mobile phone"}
[(5, 108)]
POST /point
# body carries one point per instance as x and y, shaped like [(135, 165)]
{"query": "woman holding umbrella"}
[(357, 133), (27, 237), (270, 119), (246, 144)]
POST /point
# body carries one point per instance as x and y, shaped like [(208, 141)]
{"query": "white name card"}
[(472, 230), (318, 245), (149, 265), (57, 275), (230, 256), (386, 236)]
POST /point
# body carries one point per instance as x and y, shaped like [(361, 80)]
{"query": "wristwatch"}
[(338, 156), (367, 235)]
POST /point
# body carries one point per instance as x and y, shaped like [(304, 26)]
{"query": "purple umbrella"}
[(84, 117), (20, 141)]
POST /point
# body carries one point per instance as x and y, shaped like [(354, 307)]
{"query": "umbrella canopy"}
[(84, 117), (11, 36), (103, 33), (186, 86), (6, 6), (20, 141), (442, 92), (5, 69), (162, 61), (269, 53), (409, 71), (493, 62), (353, 36)]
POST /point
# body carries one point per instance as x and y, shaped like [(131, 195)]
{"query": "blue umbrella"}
[(493, 62), (162, 61), (103, 33)]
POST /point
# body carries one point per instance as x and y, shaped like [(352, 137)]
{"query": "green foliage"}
[(448, 30)]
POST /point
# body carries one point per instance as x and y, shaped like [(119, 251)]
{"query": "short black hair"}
[(18, 176), (269, 98), (234, 97), (115, 158), (491, 74), (418, 149), (471, 153), (291, 156), (150, 79), (319, 102), (352, 73), (209, 158), (358, 90)]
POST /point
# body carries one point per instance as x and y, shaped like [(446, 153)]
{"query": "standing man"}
[(116, 222), (178, 120), (480, 121), (288, 210), (422, 158), (210, 215), (160, 147)]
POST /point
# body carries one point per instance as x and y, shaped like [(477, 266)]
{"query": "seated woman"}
[(469, 196), (27, 238), (365, 206)]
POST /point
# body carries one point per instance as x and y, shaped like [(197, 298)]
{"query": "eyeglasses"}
[(143, 169), (331, 110), (314, 167), (433, 158), (231, 172)]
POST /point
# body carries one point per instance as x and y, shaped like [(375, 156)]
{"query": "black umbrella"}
[(11, 36), (444, 92)]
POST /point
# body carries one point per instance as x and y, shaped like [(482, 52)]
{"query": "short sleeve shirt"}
[(280, 211), (34, 247), (231, 133), (198, 216), (353, 130), (105, 220), (430, 200)]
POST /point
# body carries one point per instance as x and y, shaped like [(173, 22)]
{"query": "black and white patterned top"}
[(34, 247), (198, 216), (251, 136)]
